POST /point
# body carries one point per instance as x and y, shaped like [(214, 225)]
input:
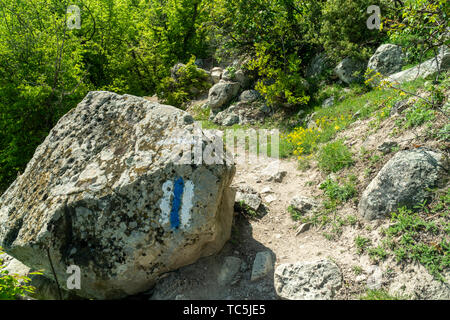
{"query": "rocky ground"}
[(229, 275)]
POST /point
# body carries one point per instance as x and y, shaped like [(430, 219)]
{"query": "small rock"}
[(374, 281), (270, 199), (266, 190), (262, 265), (249, 96), (317, 280), (350, 70), (302, 204), (222, 93), (357, 114), (216, 74), (273, 173), (387, 60), (229, 269), (253, 200), (328, 102)]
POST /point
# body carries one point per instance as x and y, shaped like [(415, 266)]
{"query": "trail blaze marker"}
[(176, 203)]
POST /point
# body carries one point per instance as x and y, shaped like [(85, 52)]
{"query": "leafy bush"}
[(362, 243), (344, 32), (295, 213), (338, 192), (413, 233), (305, 140), (417, 115), (190, 81), (334, 156), (420, 27), (46, 69), (281, 83), (13, 285)]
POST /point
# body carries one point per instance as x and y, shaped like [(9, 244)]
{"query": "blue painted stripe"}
[(176, 203)]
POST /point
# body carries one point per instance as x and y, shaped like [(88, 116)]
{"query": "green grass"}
[(366, 103), (371, 103), (334, 156), (378, 253), (361, 243), (357, 270), (295, 214), (420, 240), (379, 295), (339, 192), (417, 115)]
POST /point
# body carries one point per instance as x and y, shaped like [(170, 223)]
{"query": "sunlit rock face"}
[(123, 188)]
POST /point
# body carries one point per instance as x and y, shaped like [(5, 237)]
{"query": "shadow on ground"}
[(199, 281)]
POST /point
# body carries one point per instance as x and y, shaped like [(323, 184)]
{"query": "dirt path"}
[(274, 232)]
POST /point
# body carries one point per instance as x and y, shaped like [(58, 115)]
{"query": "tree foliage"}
[(129, 46)]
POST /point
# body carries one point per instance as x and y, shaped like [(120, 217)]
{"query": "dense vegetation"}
[(129, 46)]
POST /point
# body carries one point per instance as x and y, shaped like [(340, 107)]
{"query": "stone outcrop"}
[(222, 93), (123, 188), (426, 69), (388, 59), (403, 181), (350, 70)]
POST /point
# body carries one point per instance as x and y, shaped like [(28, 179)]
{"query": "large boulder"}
[(350, 70), (426, 69), (240, 113), (317, 280), (388, 59), (115, 190), (222, 93), (403, 181)]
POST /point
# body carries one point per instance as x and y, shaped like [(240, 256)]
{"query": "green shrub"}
[(189, 83), (334, 156), (245, 210), (281, 82), (418, 115), (295, 214), (344, 32), (13, 285), (361, 243), (338, 192)]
